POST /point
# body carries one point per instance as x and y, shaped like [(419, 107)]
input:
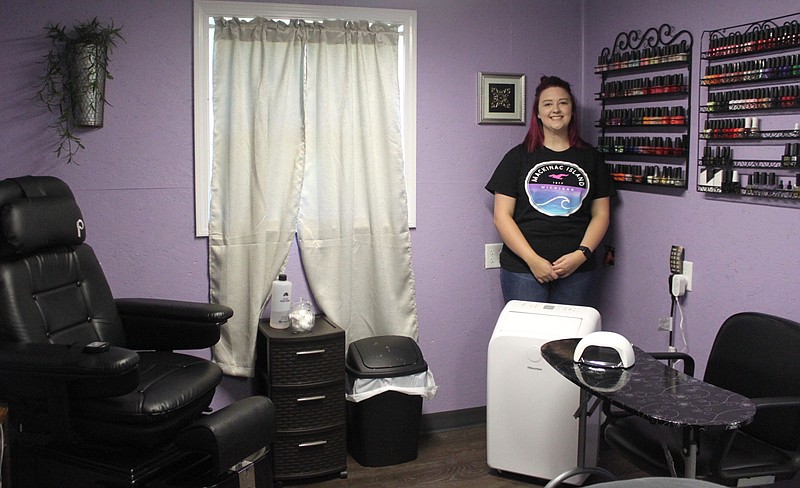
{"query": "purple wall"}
[(135, 178), (745, 255)]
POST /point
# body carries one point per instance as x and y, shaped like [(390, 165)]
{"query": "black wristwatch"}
[(585, 250)]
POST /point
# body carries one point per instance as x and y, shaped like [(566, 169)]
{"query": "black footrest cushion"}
[(232, 433)]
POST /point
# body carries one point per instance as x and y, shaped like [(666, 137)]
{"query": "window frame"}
[(205, 9)]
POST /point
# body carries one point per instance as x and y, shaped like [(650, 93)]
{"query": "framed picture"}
[(501, 98)]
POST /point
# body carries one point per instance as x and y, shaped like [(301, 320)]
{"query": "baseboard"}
[(452, 420)]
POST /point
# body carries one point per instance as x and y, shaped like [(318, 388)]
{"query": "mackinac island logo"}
[(557, 188)]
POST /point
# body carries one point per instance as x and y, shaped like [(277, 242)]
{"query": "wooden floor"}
[(454, 458)]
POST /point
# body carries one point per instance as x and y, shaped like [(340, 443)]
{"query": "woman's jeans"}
[(575, 289)]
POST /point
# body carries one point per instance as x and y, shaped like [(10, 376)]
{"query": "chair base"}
[(153, 468)]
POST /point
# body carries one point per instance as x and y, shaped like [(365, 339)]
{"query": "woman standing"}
[(551, 204)]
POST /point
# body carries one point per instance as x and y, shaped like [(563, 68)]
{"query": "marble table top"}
[(653, 390)]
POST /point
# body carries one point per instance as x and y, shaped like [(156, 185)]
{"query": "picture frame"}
[(501, 98)]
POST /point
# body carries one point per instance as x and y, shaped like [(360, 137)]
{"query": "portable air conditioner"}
[(531, 427)]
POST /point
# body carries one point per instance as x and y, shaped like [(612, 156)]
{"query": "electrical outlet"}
[(688, 268), (491, 255)]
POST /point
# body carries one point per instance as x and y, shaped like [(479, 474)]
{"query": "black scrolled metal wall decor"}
[(653, 37), (761, 36), (756, 27)]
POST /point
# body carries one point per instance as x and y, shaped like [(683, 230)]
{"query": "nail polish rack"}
[(749, 135), (644, 119)]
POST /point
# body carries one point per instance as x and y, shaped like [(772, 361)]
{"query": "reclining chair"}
[(755, 355), (95, 395)]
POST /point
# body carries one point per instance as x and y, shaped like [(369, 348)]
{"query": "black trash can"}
[(384, 429)]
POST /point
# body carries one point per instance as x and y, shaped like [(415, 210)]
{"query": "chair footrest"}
[(232, 434)]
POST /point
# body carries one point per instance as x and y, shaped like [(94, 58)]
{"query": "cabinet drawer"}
[(312, 454), (305, 363), (303, 409)]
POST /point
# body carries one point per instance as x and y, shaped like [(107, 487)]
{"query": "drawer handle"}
[(313, 351), (311, 399), (312, 444)]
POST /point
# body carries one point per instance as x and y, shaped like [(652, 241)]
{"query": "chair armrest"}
[(688, 361), (726, 441), (166, 325), (28, 370)]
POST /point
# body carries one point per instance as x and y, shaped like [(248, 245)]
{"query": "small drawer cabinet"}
[(304, 375)]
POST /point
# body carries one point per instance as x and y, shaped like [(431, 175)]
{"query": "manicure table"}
[(650, 389)]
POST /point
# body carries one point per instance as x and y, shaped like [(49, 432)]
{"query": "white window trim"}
[(203, 9)]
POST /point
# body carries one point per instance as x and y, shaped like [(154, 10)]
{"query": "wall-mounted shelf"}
[(749, 139), (646, 80)]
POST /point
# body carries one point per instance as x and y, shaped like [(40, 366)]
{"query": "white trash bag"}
[(421, 384)]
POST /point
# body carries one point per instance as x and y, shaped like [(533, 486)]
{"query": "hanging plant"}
[(73, 85)]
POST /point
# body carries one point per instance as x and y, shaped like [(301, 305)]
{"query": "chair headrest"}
[(38, 212)]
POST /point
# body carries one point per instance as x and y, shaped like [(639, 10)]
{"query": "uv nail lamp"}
[(604, 349), (607, 380)]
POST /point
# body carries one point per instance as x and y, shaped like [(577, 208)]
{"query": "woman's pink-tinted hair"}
[(534, 139)]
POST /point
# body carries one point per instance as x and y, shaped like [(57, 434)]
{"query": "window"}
[(204, 13)]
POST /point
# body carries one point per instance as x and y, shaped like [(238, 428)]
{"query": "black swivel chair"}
[(95, 394), (755, 355)]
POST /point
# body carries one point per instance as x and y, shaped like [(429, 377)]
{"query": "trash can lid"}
[(385, 357)]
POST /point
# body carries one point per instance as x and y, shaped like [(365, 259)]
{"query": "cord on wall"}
[(680, 326)]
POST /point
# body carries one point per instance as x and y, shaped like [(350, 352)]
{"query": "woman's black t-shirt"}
[(554, 191)]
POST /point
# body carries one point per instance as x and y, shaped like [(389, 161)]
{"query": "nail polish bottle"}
[(638, 174), (741, 128), (667, 149), (786, 66), (787, 155), (679, 146), (795, 154), (720, 128), (666, 116), (678, 116), (747, 127), (726, 181), (784, 99), (666, 175)]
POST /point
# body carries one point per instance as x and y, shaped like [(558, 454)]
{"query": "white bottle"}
[(281, 303)]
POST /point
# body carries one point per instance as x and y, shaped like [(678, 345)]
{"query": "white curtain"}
[(353, 223), (307, 138)]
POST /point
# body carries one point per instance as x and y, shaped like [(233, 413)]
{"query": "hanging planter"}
[(73, 87), (88, 84)]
